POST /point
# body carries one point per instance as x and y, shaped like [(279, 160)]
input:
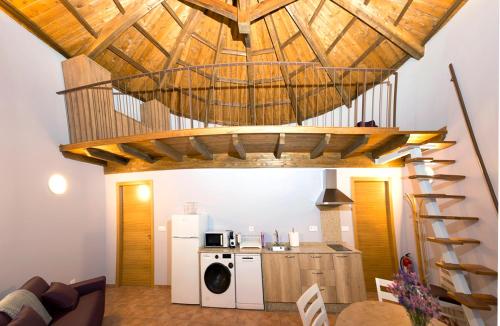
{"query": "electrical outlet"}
[(344, 228), (251, 228), (162, 228), (313, 228)]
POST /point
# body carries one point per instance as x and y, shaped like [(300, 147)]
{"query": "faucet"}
[(277, 242)]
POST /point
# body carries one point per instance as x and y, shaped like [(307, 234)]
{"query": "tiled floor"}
[(152, 306)]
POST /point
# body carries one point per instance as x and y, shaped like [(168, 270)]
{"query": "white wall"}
[(56, 237), (427, 100), (267, 199)]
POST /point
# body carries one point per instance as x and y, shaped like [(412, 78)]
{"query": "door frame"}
[(389, 204), (119, 228)]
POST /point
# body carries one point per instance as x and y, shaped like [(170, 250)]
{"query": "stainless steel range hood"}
[(331, 196)]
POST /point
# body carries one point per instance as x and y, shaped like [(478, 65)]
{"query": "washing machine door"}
[(217, 278)]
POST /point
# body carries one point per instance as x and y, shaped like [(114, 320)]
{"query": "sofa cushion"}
[(27, 317), (36, 285), (88, 312), (60, 296)]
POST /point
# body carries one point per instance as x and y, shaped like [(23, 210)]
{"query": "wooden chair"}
[(313, 314), (382, 291)]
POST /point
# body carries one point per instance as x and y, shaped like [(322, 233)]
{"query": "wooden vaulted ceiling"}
[(134, 36)]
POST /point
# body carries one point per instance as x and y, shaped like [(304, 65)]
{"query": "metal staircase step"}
[(453, 241), (474, 300), (436, 196), (448, 217), (429, 160), (471, 268), (448, 177)]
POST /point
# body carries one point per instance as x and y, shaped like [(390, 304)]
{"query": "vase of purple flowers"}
[(415, 297)]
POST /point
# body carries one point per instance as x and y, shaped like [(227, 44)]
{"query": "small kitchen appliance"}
[(218, 239)]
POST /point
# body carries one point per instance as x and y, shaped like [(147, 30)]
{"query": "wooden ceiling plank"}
[(273, 34), (357, 143), (263, 51), (117, 26), (107, 156), (119, 6), (403, 12), (167, 150), (128, 149), (264, 8), (238, 146), (216, 6), (151, 39), (280, 145), (341, 35), (203, 40), (181, 41), (370, 16), (201, 148), (392, 144), (84, 158), (79, 17), (449, 13), (122, 55), (315, 45), (316, 12), (290, 40), (320, 148), (32, 27), (172, 13)]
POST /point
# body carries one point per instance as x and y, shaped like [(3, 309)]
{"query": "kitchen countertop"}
[(305, 248)]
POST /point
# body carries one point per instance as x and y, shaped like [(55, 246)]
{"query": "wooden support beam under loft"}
[(128, 149), (117, 26), (316, 46), (373, 18), (84, 158), (280, 145), (320, 148), (107, 156), (201, 148), (271, 27), (357, 143), (216, 6), (238, 146), (167, 150), (394, 143)]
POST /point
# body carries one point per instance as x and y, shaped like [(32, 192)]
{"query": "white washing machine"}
[(217, 280)]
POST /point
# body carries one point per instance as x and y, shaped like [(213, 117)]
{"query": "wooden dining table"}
[(376, 313)]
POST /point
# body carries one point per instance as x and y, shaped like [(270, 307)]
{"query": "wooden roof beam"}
[(373, 18), (266, 7), (107, 156), (357, 143), (216, 6), (172, 13), (128, 149), (119, 6), (315, 45), (243, 17), (117, 26), (79, 17)]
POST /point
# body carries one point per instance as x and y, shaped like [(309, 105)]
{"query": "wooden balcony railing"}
[(236, 94)]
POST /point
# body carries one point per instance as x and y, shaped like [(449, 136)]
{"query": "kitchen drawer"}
[(316, 261), (325, 277), (328, 293)]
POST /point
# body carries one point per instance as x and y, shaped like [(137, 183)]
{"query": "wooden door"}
[(281, 277), (135, 234), (373, 229)]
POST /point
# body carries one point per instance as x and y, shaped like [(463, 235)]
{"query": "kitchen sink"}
[(339, 247)]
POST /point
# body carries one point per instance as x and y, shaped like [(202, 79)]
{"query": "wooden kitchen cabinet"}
[(281, 277), (316, 261), (349, 282)]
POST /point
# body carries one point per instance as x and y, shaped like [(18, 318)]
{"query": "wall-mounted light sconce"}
[(58, 184), (143, 192)]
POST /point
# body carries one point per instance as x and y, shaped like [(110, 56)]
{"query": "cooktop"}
[(339, 247)]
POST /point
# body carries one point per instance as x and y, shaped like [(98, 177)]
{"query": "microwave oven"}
[(218, 239)]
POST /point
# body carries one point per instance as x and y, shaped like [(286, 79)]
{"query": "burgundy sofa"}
[(89, 310)]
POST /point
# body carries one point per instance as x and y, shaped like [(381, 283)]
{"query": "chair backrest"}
[(382, 292), (313, 314)]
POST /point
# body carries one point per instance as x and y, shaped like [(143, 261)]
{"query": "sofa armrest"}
[(92, 285)]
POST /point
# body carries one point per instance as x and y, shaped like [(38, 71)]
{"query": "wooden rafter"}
[(264, 8), (116, 26), (216, 6), (316, 12), (403, 12), (172, 13), (203, 40), (243, 17), (119, 6), (373, 18), (281, 57), (340, 35), (79, 17), (449, 13), (151, 39), (315, 44)]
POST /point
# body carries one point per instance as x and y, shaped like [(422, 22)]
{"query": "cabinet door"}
[(281, 278), (349, 280), (316, 261)]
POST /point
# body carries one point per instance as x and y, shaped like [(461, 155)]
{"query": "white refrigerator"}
[(187, 236)]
